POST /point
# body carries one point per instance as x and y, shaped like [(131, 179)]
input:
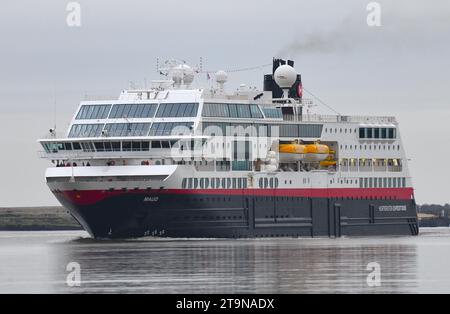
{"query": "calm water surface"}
[(35, 262)]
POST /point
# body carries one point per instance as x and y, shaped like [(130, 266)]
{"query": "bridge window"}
[(255, 112), (93, 112), (133, 111), (127, 129), (244, 111), (272, 113), (171, 128), (86, 130), (177, 110)]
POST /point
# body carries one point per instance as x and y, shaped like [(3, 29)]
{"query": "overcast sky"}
[(400, 68)]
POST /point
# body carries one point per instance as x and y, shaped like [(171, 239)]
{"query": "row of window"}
[(341, 130), (93, 112), (301, 130), (232, 111), (171, 128), (377, 133), (235, 129), (131, 129), (116, 146), (177, 110), (133, 111), (272, 113), (265, 183), (86, 130), (262, 130), (369, 162), (118, 111), (369, 147), (127, 129), (382, 182), (214, 183), (183, 128)]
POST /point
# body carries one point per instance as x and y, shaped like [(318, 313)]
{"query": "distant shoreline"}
[(37, 219)]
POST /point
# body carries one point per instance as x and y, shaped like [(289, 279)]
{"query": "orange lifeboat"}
[(316, 152), (328, 162), (291, 152)]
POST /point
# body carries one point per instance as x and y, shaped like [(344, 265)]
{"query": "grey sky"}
[(400, 68)]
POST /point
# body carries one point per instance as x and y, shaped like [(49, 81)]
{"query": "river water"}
[(36, 262)]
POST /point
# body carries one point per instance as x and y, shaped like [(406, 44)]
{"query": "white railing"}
[(91, 97), (343, 118)]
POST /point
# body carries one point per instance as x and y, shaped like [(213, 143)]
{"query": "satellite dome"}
[(285, 76), (221, 77)]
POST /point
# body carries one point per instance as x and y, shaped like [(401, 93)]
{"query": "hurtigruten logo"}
[(390, 208), (151, 199)]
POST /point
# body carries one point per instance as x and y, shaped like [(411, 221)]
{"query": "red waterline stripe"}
[(88, 197)]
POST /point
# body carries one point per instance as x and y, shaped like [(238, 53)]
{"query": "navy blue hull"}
[(129, 215)]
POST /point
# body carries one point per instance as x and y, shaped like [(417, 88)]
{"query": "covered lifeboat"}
[(307, 153)]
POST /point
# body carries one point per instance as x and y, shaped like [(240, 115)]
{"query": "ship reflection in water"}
[(36, 262)]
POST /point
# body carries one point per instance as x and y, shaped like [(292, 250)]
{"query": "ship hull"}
[(193, 214)]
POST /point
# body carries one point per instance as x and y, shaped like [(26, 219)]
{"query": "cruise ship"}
[(170, 160)]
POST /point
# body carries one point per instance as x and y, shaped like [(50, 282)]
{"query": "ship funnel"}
[(272, 84)]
